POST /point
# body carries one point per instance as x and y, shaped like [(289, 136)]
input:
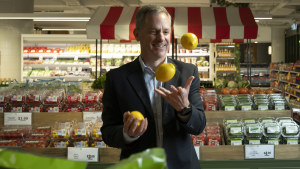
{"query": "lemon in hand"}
[(189, 41), (137, 115), (165, 72)]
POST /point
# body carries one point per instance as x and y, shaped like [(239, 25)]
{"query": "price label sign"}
[(83, 154), (76, 58), (91, 116), (259, 152), (17, 119)]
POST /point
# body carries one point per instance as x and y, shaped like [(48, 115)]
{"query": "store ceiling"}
[(283, 12)]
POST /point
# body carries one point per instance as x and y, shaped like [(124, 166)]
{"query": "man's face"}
[(154, 36)]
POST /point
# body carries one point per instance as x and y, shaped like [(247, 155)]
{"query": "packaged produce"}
[(4, 96), (60, 143), (35, 144), (8, 143), (17, 96), (54, 96), (213, 139), (42, 129), (253, 130), (249, 121), (96, 142), (73, 107), (272, 140), (199, 140), (35, 96), (4, 108), (271, 130), (81, 143), (267, 120), (39, 136), (91, 96), (62, 130), (281, 120), (17, 107), (234, 141), (73, 98), (13, 133), (91, 107), (235, 130), (290, 129), (52, 108), (80, 131), (34, 107), (253, 140)]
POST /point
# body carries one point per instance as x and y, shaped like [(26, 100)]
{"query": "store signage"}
[(91, 116), (259, 152), (17, 119), (83, 154)]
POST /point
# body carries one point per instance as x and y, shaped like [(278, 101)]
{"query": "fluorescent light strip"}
[(54, 29), (263, 18)]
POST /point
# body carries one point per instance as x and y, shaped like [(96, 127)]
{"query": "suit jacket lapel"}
[(136, 79)]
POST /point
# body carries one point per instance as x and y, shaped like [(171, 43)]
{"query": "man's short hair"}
[(148, 9)]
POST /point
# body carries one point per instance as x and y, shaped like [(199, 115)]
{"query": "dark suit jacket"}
[(125, 90)]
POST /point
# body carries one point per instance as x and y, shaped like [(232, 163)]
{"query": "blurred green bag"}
[(9, 159), (148, 159)]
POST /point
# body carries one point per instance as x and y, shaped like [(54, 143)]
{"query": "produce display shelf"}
[(225, 57), (285, 82), (57, 55), (67, 78), (190, 54), (203, 69), (285, 71), (64, 65)]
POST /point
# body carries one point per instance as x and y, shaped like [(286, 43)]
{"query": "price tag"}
[(17, 119), (40, 58), (83, 154), (76, 58), (229, 108), (259, 151), (91, 116)]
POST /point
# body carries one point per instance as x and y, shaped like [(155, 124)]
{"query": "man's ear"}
[(136, 34)]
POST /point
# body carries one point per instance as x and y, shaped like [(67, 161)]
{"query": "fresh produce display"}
[(35, 144), (209, 99), (210, 136)]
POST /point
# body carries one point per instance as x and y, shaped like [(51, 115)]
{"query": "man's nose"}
[(160, 36)]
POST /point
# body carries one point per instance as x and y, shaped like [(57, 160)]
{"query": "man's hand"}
[(177, 97), (130, 125)]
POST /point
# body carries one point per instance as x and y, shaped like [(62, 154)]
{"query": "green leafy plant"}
[(99, 83)]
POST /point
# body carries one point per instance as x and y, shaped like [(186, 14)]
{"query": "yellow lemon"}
[(189, 41), (165, 72), (137, 115)]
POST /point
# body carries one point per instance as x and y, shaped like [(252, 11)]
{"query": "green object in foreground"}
[(148, 159), (9, 159)]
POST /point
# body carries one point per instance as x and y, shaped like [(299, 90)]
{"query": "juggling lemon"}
[(137, 115), (189, 41), (165, 72)]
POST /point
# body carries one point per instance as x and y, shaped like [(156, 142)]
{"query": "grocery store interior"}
[(54, 56)]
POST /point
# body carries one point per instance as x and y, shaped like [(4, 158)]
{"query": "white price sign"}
[(91, 116), (17, 119), (259, 151), (83, 154)]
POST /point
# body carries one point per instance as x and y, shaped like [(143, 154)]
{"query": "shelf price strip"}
[(17, 119), (83, 154), (259, 152)]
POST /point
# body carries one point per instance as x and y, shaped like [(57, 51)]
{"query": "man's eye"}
[(166, 32), (153, 32)]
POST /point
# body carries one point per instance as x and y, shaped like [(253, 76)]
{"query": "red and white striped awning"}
[(215, 23), (114, 23)]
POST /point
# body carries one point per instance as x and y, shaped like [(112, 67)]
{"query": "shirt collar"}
[(145, 66)]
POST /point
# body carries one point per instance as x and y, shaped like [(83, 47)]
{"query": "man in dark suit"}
[(172, 110)]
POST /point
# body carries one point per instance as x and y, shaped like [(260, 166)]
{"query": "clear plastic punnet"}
[(234, 130), (271, 130), (253, 130)]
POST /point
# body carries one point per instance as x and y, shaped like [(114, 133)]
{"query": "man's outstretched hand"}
[(178, 96)]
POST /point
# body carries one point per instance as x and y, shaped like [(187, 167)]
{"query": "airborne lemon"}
[(137, 115), (165, 72), (189, 41)]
